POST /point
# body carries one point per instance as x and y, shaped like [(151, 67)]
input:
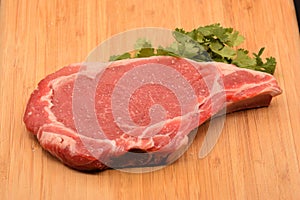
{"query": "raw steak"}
[(136, 112)]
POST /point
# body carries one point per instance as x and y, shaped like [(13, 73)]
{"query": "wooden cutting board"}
[(257, 155)]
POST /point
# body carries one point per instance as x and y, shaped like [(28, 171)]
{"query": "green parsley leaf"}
[(120, 57), (235, 39), (145, 52), (242, 59), (142, 43), (206, 43)]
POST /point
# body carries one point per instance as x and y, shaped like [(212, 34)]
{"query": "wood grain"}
[(257, 155)]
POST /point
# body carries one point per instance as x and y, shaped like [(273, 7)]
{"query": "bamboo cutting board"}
[(257, 155)]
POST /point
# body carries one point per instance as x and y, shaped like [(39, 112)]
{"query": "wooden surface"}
[(257, 155)]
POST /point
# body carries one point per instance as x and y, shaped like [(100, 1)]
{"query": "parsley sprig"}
[(207, 43)]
